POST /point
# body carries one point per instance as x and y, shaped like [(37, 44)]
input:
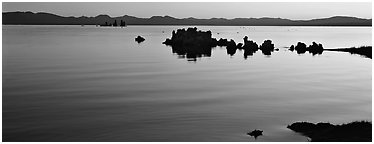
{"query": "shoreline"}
[(356, 131)]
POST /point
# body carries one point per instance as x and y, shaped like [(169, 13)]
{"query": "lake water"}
[(73, 83)]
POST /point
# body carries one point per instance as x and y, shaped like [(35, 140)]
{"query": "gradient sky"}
[(291, 10)]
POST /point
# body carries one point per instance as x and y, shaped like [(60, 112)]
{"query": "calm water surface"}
[(73, 83)]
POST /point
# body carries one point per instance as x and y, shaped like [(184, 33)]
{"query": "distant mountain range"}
[(30, 18)]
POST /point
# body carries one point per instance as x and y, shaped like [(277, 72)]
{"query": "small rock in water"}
[(255, 133), (139, 39)]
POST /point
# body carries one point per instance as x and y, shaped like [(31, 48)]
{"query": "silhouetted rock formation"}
[(191, 37), (324, 132), (315, 48), (231, 47), (239, 46), (139, 39), (115, 23), (250, 47), (191, 43), (255, 133), (267, 47), (194, 43), (300, 48), (292, 48), (365, 51), (222, 42), (123, 23)]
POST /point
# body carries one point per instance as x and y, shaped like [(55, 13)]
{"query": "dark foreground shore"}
[(358, 131)]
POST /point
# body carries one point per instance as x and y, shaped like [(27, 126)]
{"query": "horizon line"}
[(193, 17)]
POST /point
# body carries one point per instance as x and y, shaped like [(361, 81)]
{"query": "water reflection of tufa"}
[(192, 52)]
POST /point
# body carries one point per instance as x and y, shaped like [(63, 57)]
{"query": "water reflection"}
[(191, 53)]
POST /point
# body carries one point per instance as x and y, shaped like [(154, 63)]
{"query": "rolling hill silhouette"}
[(30, 18)]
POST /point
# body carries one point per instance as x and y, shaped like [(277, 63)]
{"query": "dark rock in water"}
[(300, 48), (326, 132), (231, 47), (192, 43), (239, 46), (139, 39), (292, 48), (315, 48), (267, 47), (250, 47), (191, 37), (255, 133), (167, 42)]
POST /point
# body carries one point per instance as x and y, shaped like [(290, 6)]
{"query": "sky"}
[(290, 10)]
